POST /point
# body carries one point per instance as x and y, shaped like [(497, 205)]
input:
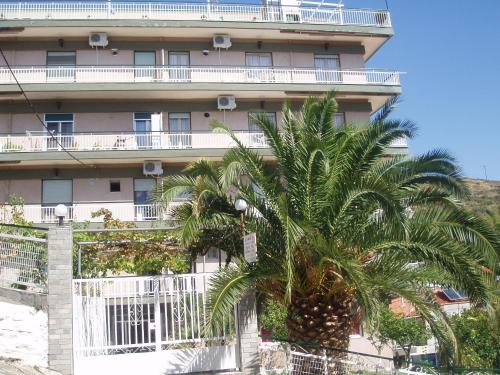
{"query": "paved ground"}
[(15, 367)]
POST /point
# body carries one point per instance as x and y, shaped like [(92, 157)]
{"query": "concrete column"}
[(249, 335), (60, 299)]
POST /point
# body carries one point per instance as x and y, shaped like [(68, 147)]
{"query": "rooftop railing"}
[(93, 10), (196, 74)]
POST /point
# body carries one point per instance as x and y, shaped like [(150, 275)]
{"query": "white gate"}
[(153, 325)]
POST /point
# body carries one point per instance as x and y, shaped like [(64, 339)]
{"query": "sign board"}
[(250, 247)]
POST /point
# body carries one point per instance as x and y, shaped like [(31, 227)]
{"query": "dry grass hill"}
[(485, 199)]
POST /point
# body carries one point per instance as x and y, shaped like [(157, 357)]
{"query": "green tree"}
[(478, 339), (397, 330), (338, 222)]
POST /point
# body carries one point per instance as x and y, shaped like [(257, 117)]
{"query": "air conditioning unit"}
[(152, 167), (226, 102), (98, 39), (222, 41)]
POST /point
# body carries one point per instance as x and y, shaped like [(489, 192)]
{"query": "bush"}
[(272, 318)]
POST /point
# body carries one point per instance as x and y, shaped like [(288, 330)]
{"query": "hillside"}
[(485, 199)]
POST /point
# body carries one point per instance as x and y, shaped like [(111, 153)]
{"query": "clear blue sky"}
[(450, 50)]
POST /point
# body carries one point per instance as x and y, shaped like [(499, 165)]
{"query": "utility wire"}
[(32, 107)]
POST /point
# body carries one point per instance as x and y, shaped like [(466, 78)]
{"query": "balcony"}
[(32, 143), (196, 74), (82, 212), (312, 13)]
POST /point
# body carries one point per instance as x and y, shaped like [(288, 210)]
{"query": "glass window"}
[(56, 192), (259, 59), (179, 122), (61, 58), (61, 126), (143, 190), (327, 62), (339, 119), (114, 186), (178, 58), (142, 122), (252, 125), (147, 58)]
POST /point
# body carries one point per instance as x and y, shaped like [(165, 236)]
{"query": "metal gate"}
[(157, 322)]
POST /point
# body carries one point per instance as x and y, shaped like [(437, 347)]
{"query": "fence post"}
[(60, 299), (248, 335)]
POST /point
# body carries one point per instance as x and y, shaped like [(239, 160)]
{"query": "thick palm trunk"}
[(324, 320)]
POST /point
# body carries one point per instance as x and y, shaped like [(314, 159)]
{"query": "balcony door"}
[(56, 192), (147, 128), (61, 66), (61, 127), (179, 66), (143, 194), (327, 68), (259, 64), (179, 127), (145, 65), (257, 138)]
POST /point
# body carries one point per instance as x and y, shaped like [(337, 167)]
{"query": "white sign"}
[(250, 247)]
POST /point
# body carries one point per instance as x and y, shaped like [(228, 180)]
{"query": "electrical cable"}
[(32, 107)]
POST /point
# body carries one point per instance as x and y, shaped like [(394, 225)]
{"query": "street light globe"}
[(61, 210), (240, 205)]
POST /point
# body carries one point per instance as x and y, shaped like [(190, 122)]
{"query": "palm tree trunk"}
[(322, 320)]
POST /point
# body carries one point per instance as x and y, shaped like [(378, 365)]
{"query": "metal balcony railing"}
[(310, 13), (135, 141), (196, 74), (81, 212), (127, 141)]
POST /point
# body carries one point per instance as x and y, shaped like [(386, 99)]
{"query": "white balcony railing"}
[(136, 141), (81, 212), (319, 13), (128, 141), (196, 74)]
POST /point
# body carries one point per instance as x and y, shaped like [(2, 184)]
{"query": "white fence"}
[(196, 74), (80, 212), (128, 141), (129, 316), (23, 262), (314, 14)]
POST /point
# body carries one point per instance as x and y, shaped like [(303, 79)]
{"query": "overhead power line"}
[(32, 107)]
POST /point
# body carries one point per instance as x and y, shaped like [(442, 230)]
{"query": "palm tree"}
[(340, 225)]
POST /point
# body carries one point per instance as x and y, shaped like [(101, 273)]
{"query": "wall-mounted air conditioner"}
[(226, 102), (152, 168), (222, 41), (98, 39)]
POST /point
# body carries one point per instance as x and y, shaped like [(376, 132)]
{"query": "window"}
[(179, 125), (61, 58), (213, 253), (261, 62), (143, 190), (327, 68), (61, 126), (145, 62), (56, 192), (61, 65), (339, 119), (181, 60), (253, 126), (114, 186)]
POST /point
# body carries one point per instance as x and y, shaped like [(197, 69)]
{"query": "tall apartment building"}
[(125, 91)]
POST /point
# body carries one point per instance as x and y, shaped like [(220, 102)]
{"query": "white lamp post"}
[(61, 211), (241, 205)]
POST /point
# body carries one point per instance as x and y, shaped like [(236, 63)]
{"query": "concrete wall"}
[(123, 121), (30, 190), (231, 57), (87, 190)]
